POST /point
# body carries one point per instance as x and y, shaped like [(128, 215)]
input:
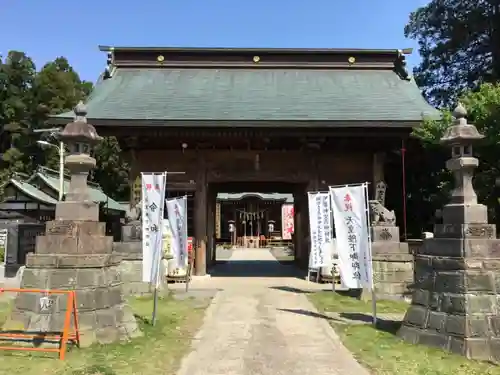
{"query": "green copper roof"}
[(256, 94), (95, 194), (46, 175), (33, 192)]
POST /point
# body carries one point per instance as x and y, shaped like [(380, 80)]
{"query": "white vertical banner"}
[(177, 209), (320, 225), (153, 198), (350, 215)]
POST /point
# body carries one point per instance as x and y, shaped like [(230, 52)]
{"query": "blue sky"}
[(51, 28)]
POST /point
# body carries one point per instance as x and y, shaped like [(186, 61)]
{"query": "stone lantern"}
[(75, 254), (463, 207), (80, 137), (457, 273)]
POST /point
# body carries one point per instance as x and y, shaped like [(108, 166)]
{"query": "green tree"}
[(429, 183), (459, 42), (483, 108), (112, 171), (17, 74), (56, 88), (27, 99)]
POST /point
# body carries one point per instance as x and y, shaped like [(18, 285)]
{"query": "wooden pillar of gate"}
[(200, 216), (300, 225), (211, 226)]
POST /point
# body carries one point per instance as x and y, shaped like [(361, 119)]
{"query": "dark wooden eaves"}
[(151, 57)]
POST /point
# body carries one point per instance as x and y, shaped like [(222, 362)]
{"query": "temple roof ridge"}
[(105, 48)]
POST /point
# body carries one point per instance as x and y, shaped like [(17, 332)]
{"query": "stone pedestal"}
[(456, 304), (392, 263), (132, 232), (131, 268), (76, 256)]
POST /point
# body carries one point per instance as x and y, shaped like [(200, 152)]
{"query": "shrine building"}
[(271, 121)]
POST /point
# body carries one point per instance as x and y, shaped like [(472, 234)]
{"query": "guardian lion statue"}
[(380, 215)]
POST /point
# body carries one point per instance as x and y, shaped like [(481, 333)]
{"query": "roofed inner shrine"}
[(271, 121)]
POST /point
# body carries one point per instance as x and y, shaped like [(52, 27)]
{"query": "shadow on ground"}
[(255, 268), (386, 325), (383, 324), (308, 313), (292, 289)]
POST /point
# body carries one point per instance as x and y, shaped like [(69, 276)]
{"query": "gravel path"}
[(263, 324)]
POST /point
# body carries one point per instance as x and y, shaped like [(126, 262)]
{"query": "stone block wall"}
[(102, 311), (393, 275), (392, 263), (456, 303), (131, 269)]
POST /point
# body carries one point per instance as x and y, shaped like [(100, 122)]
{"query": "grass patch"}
[(334, 302), (384, 353), (158, 351)]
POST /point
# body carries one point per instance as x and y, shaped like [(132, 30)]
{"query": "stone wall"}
[(392, 263), (455, 303), (130, 268), (393, 275), (102, 311)]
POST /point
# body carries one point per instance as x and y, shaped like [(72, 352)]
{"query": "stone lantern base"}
[(456, 300), (75, 255)]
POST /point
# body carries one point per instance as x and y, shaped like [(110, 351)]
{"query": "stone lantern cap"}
[(460, 133), (79, 130)]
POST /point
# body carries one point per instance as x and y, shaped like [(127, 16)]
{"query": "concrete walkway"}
[(262, 324)]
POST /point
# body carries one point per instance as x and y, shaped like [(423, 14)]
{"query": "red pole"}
[(403, 151)]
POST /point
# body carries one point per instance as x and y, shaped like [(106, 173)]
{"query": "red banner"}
[(287, 223)]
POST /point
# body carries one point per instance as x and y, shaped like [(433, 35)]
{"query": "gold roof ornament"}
[(160, 58), (351, 60), (256, 59)]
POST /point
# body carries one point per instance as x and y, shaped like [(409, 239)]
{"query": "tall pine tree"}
[(459, 42), (17, 74)]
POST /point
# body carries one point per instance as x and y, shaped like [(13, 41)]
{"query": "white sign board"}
[(176, 209), (350, 211), (320, 225), (3, 243), (153, 197)]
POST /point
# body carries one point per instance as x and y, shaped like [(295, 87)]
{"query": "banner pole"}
[(158, 253), (142, 223), (370, 260), (309, 194), (180, 237), (331, 234), (157, 258), (188, 272)]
